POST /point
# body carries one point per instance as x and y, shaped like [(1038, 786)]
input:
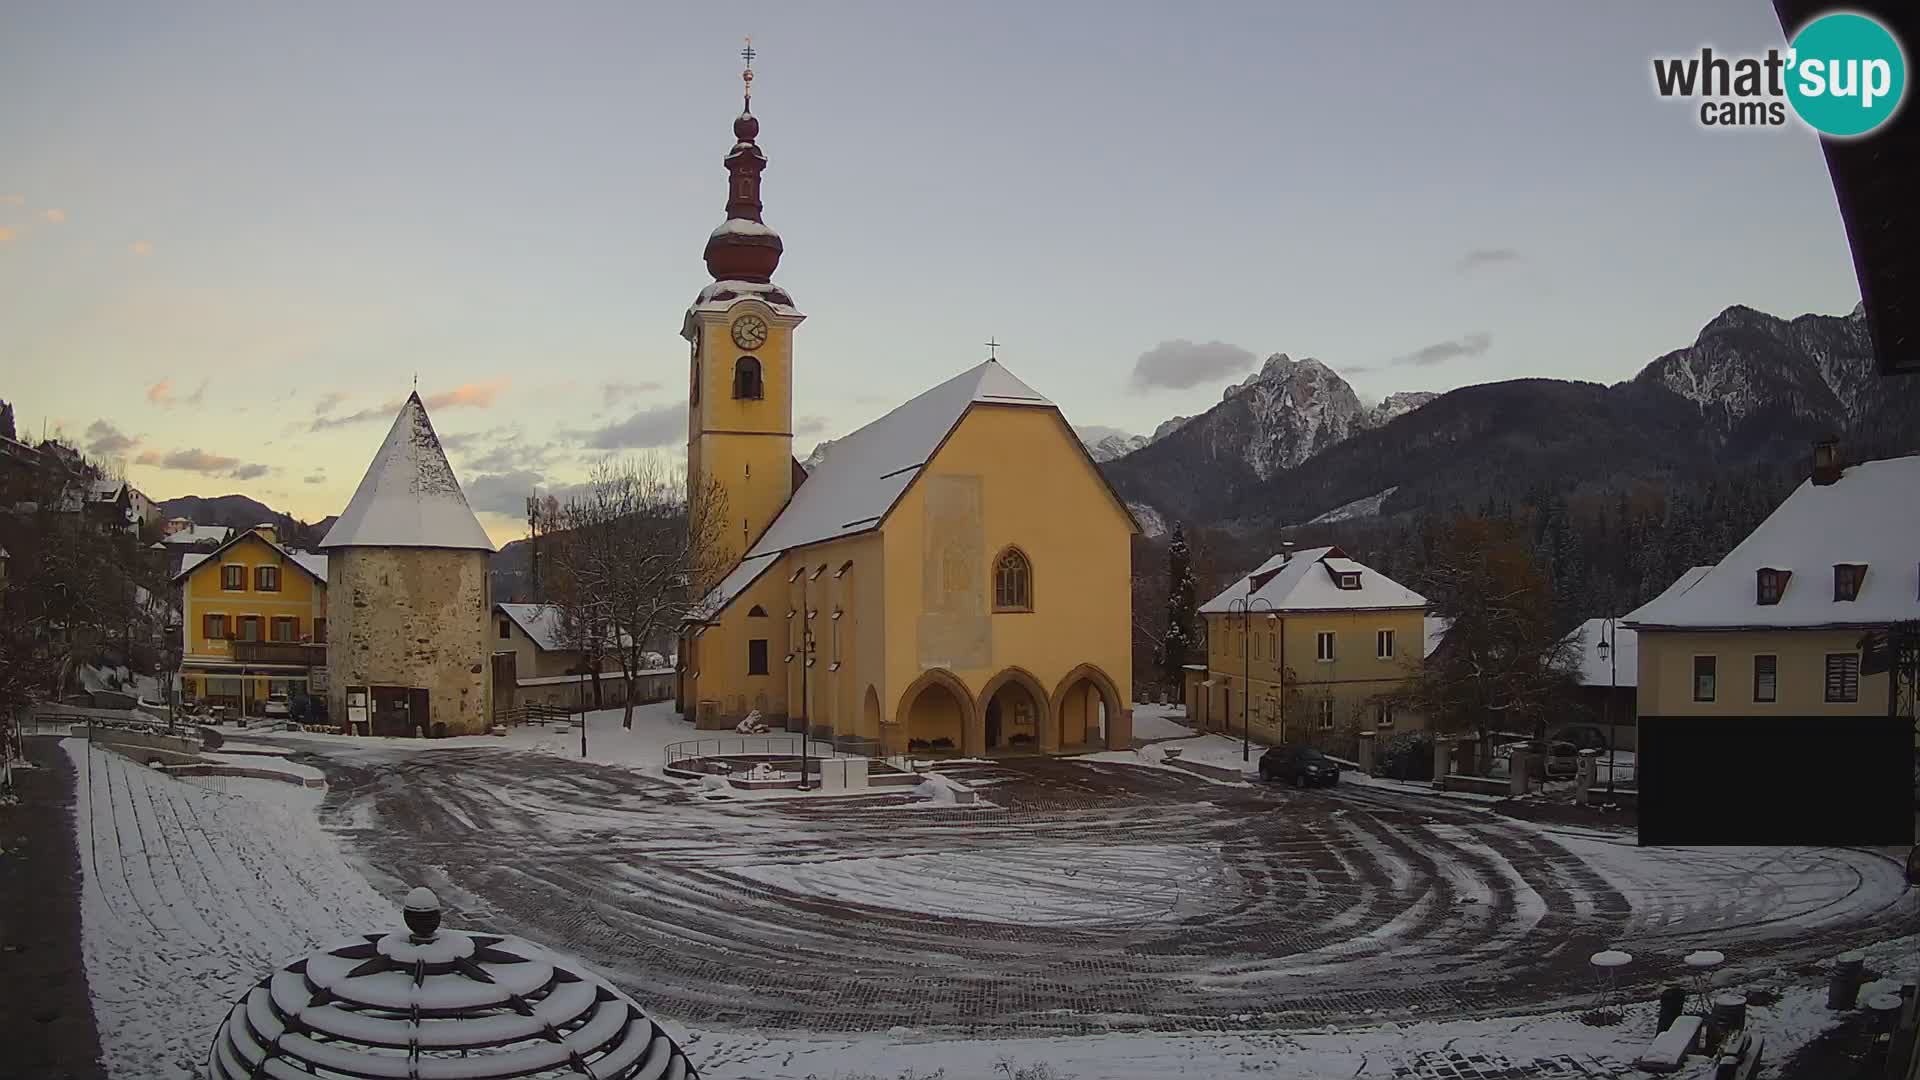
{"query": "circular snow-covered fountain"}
[(430, 1003)]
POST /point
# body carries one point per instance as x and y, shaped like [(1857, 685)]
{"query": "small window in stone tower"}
[(1012, 582), (746, 379)]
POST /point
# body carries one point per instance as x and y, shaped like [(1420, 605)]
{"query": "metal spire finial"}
[(993, 349), (746, 73)]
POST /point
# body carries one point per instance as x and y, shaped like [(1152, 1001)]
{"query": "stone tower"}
[(408, 598), (740, 328)]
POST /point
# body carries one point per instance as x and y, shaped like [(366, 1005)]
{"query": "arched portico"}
[(1013, 703), (936, 706), (1086, 705)]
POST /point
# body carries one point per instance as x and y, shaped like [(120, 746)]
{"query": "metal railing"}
[(534, 712), (778, 745)]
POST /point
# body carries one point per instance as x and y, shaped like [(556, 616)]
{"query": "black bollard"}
[(1844, 988), (1673, 1001)]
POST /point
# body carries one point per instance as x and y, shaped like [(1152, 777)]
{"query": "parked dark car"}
[(1303, 766), (1559, 759), (1583, 736)]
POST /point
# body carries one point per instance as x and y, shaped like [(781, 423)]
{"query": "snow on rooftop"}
[(313, 562), (1435, 627), (736, 582), (1303, 584), (198, 534), (1870, 515), (724, 294), (409, 496), (1621, 668), (742, 227), (542, 624), (853, 488)]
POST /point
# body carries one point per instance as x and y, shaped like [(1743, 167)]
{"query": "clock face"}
[(749, 332)]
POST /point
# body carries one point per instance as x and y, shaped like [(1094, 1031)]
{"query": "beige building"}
[(408, 600), (1311, 647), (1774, 629), (534, 664)]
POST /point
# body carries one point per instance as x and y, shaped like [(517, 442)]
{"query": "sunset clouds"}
[(161, 393), (200, 461), (475, 395)]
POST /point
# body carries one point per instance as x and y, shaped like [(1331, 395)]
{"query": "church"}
[(953, 577)]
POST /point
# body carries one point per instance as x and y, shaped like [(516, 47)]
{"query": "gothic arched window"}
[(746, 379), (1012, 582)]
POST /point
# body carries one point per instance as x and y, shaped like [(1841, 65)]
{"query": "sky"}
[(231, 237)]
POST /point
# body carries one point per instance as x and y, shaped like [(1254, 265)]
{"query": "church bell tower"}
[(740, 377)]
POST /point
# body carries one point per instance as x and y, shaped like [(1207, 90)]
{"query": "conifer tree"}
[(1182, 639)]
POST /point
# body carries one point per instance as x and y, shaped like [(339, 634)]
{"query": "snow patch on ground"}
[(194, 890), (1151, 722)]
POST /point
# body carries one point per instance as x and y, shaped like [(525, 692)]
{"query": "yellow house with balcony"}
[(253, 621), (1311, 647)]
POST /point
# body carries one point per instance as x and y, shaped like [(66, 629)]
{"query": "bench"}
[(1670, 1047)]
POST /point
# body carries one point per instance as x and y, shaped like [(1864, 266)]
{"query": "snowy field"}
[(1107, 916)]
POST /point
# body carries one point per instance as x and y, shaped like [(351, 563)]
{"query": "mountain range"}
[(1293, 445), (241, 512)]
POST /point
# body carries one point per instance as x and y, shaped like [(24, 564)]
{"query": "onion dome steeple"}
[(743, 248)]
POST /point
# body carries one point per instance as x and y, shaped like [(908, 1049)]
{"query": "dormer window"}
[(1348, 581), (1770, 585), (746, 379), (1847, 579)]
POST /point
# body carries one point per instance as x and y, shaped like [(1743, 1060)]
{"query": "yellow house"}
[(954, 575), (253, 621), (1774, 629), (1311, 647)]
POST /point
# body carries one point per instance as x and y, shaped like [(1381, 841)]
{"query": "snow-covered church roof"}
[(1868, 517), (867, 471), (854, 487), (409, 497)]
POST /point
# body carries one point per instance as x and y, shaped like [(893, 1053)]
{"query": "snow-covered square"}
[(1117, 914)]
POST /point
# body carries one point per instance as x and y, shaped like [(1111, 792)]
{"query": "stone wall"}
[(415, 617)]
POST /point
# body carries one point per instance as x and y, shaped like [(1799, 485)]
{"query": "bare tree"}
[(623, 557), (1502, 664)]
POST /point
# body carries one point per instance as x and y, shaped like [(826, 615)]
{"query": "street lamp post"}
[(806, 710), (1610, 652), (1246, 607)]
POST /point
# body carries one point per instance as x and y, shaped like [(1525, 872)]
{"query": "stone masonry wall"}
[(414, 617)]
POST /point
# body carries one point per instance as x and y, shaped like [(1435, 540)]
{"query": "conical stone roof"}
[(409, 497)]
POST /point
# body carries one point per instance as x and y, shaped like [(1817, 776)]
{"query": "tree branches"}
[(624, 558)]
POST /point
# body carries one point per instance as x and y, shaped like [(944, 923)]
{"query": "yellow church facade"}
[(953, 577)]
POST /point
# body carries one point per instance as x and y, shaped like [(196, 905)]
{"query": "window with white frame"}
[(1323, 645), (1324, 713), (1383, 714), (1383, 644)]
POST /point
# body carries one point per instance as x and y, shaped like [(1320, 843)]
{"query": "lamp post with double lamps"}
[(1610, 652), (1246, 608)]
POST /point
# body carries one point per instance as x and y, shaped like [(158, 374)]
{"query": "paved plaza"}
[(1179, 920)]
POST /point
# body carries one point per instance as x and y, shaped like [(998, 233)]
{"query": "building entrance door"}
[(993, 724), (391, 715)]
